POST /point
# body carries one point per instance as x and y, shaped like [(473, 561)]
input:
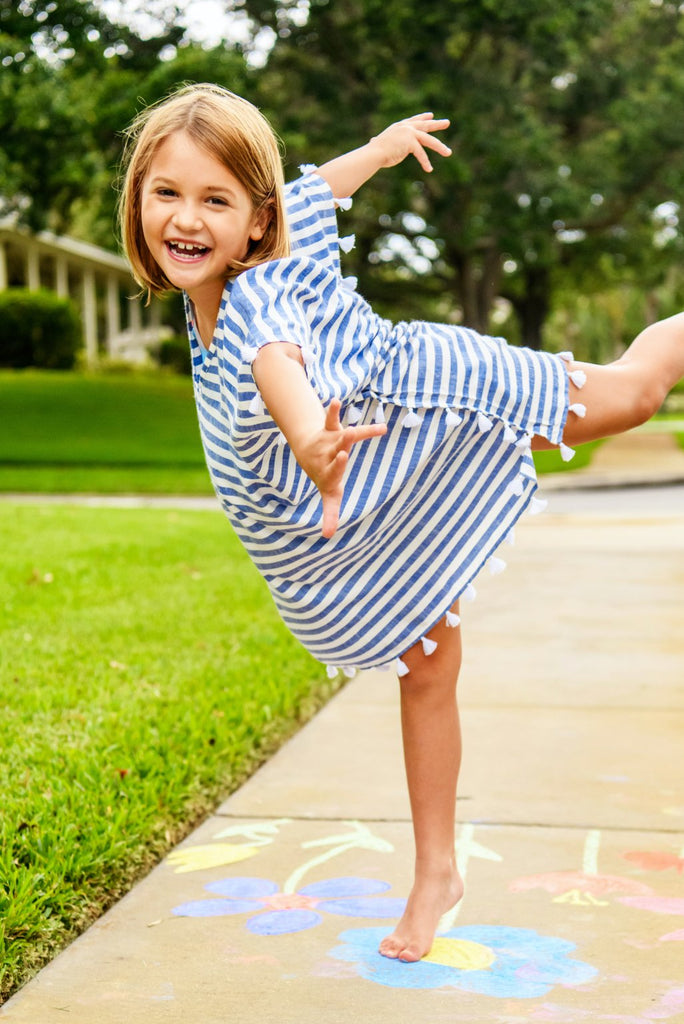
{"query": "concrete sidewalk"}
[(571, 834)]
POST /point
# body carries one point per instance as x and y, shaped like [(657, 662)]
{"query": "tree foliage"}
[(564, 128)]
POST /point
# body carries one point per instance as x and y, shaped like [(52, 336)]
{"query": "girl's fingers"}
[(351, 435), (332, 415)]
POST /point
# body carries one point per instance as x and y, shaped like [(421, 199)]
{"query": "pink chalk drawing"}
[(656, 860), (585, 887), (656, 904), (677, 936)]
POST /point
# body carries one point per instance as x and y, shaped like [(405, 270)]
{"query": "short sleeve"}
[(278, 301), (312, 221)]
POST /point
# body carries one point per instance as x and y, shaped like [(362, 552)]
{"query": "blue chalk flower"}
[(279, 913), (491, 960)]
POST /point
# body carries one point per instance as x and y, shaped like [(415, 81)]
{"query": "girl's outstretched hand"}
[(324, 460), (414, 136)]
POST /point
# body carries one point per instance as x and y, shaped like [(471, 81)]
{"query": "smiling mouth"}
[(187, 250)]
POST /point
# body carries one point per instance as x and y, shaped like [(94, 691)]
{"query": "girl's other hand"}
[(324, 460), (414, 136)]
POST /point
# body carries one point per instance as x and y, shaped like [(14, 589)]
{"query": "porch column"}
[(3, 267), (135, 319), (32, 268), (61, 277), (89, 317), (113, 313)]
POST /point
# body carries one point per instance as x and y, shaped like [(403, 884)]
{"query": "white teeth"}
[(188, 247)]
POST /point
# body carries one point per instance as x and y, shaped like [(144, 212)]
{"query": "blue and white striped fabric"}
[(426, 505)]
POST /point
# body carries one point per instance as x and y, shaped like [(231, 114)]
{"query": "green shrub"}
[(175, 353), (37, 328)]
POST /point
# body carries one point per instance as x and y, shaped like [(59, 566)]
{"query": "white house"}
[(116, 323)]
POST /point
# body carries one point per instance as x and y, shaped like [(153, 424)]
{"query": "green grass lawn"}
[(145, 673), (114, 434), (71, 433)]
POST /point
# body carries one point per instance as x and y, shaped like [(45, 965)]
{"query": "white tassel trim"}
[(249, 354), (349, 672), (308, 355), (307, 168), (379, 415), (281, 439), (256, 406), (515, 487), (537, 505), (453, 419), (345, 203), (524, 442), (401, 667), (331, 671), (347, 243), (484, 424), (453, 620), (411, 419), (567, 357), (510, 538), (578, 378), (350, 283), (579, 409), (496, 565), (354, 415), (470, 593), (567, 453), (429, 646), (510, 435)]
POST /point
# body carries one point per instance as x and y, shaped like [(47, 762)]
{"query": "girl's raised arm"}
[(346, 173)]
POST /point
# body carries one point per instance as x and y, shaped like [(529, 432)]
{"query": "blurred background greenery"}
[(556, 221)]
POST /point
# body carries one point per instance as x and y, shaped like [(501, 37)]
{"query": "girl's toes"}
[(410, 955), (391, 947)]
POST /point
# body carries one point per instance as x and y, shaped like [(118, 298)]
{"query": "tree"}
[(565, 131), (61, 61)]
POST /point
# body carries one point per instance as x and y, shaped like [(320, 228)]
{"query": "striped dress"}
[(426, 505)]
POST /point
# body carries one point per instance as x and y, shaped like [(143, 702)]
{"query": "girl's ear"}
[(262, 219)]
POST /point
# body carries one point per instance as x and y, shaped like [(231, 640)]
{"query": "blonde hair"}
[(233, 131)]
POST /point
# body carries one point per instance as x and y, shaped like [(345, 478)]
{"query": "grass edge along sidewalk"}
[(145, 674)]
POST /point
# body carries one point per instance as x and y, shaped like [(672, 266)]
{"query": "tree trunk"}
[(478, 286), (532, 307)]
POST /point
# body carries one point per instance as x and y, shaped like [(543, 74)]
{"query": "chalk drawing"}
[(485, 959), (585, 887), (293, 908), (214, 855), (656, 860), (276, 912), (466, 849)]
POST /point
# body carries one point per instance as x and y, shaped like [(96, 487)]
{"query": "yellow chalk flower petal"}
[(214, 855), (460, 953)]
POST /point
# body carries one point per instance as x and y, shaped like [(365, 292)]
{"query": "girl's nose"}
[(186, 217)]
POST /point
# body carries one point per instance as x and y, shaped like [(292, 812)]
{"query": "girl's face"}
[(196, 217)]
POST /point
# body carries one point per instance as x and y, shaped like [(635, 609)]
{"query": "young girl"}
[(369, 469)]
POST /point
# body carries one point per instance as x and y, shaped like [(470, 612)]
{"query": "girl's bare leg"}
[(432, 753), (623, 394), (617, 397)]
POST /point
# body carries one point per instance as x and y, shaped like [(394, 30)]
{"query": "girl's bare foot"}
[(432, 895)]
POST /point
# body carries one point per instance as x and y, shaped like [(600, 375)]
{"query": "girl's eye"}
[(217, 201), (165, 192)]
